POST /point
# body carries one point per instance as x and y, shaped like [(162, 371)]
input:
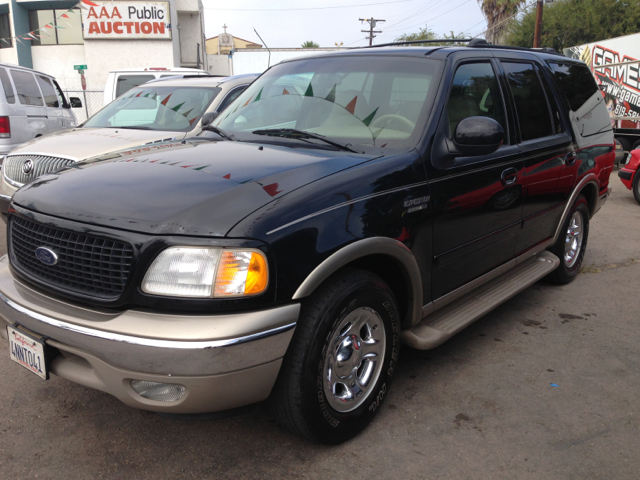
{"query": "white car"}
[(31, 105), (121, 81)]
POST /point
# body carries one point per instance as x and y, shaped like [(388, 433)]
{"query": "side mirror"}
[(75, 102), (478, 136), (209, 117)]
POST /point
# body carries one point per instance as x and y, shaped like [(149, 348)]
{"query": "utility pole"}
[(372, 24), (538, 30)]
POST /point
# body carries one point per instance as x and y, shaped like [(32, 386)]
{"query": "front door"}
[(476, 200)]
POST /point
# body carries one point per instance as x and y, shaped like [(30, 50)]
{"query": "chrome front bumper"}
[(225, 361)]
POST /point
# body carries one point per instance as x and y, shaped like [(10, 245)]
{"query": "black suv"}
[(340, 206)]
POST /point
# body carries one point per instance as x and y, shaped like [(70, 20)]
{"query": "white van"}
[(31, 105), (121, 81)]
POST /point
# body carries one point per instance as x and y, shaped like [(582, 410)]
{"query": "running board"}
[(441, 325)]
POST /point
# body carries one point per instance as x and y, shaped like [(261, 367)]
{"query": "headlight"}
[(201, 272)]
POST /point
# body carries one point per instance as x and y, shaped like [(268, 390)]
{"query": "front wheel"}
[(572, 243), (636, 186), (340, 363)]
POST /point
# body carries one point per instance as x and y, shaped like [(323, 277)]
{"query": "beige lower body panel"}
[(203, 393)]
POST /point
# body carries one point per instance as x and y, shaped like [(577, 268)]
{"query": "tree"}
[(568, 23), (427, 34), (498, 13), (310, 44)]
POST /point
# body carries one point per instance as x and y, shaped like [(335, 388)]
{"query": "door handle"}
[(509, 176), (570, 159)]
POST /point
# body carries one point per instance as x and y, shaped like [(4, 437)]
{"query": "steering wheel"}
[(390, 117)]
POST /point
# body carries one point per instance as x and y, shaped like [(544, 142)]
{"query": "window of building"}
[(28, 91), (531, 102), (5, 31), (69, 33)]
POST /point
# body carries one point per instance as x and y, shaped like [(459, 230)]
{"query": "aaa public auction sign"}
[(124, 20)]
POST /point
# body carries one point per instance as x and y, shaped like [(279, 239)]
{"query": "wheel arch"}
[(387, 258), (588, 187)]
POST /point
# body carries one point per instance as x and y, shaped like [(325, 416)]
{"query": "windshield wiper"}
[(301, 134), (219, 131)]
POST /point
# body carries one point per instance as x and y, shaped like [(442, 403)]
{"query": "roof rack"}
[(471, 42), (420, 42)]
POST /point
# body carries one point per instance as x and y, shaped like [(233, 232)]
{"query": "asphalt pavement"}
[(544, 387)]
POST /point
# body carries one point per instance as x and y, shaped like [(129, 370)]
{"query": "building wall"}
[(58, 60), (219, 64), (9, 55), (104, 56), (212, 45)]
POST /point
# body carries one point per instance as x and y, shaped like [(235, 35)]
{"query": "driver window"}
[(475, 93)]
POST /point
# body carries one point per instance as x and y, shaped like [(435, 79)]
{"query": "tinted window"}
[(5, 31), (127, 82), (555, 111), (50, 98), (28, 91), (6, 85), (575, 81), (230, 98), (61, 98), (531, 103), (475, 93)]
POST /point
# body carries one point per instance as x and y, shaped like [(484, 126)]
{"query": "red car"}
[(627, 173)]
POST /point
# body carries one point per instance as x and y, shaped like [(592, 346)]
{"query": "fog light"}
[(160, 392)]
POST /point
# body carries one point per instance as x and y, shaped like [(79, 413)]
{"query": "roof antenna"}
[(269, 63)]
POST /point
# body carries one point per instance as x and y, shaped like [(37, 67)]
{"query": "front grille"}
[(87, 265), (13, 167)]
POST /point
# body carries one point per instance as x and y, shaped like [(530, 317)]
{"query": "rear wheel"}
[(626, 144), (572, 243), (636, 145), (340, 363)]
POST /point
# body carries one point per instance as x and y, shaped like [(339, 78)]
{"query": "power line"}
[(310, 8), (508, 18), (431, 19)]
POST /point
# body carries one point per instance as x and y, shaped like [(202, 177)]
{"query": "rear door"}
[(547, 148), (476, 200), (55, 114), (30, 106)]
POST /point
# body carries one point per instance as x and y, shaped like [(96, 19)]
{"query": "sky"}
[(289, 23)]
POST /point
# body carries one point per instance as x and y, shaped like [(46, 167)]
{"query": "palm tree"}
[(310, 44), (497, 13)]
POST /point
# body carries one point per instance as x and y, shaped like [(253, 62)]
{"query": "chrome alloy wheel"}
[(354, 359), (573, 241)]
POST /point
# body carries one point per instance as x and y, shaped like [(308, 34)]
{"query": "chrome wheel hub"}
[(354, 359), (573, 240)]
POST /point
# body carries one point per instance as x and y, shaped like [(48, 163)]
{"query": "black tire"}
[(626, 144), (299, 400), (635, 146), (569, 269), (636, 186)]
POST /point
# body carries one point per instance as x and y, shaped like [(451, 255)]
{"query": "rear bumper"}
[(223, 361)]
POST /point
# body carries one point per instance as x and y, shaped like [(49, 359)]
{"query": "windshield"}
[(156, 108), (367, 101)]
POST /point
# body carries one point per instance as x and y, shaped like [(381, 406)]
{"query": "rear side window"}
[(575, 81), (127, 82), (50, 98), (230, 98), (531, 103), (7, 87), (28, 92)]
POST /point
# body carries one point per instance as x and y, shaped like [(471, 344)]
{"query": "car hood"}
[(83, 143), (195, 187)]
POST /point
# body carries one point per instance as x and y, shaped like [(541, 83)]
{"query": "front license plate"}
[(27, 351)]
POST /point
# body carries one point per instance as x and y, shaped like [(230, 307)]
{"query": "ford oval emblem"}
[(46, 255), (27, 167)]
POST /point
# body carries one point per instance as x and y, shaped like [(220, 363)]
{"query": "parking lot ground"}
[(544, 387)]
